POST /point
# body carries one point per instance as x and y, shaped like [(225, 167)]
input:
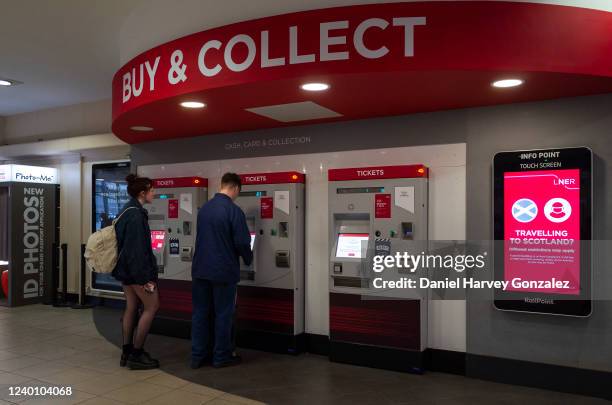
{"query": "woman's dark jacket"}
[(136, 263)]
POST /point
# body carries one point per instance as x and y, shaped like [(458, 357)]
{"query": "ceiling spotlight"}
[(192, 104), (315, 86), (503, 84), (140, 128), (5, 83)]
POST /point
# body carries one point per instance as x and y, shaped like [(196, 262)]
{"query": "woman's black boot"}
[(127, 349), (141, 360)]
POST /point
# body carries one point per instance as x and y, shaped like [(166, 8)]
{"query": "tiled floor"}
[(45, 346)]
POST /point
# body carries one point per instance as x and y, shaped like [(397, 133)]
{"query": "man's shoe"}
[(141, 361), (196, 364), (233, 361)]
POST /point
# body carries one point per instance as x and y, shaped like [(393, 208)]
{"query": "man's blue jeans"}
[(212, 302)]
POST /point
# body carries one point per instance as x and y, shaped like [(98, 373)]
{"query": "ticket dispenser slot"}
[(282, 258), (186, 253)]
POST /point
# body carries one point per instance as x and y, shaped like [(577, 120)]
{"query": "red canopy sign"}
[(431, 43)]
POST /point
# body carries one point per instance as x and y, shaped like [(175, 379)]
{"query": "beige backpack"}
[(101, 249)]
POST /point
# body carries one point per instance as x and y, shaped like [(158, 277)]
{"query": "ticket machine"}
[(373, 210), (172, 219), (270, 307)]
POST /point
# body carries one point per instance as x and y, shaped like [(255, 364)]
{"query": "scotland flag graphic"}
[(524, 210)]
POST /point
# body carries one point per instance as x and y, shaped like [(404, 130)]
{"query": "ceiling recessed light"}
[(141, 128), (315, 86), (507, 83), (192, 104), (5, 83)]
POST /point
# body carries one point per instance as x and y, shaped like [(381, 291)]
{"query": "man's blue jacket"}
[(223, 236)]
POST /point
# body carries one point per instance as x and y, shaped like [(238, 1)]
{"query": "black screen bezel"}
[(98, 166), (570, 158)]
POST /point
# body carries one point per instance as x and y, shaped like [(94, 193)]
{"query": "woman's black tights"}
[(134, 295)]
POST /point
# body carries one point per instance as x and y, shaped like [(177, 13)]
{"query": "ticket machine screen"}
[(252, 239), (157, 240), (349, 245)]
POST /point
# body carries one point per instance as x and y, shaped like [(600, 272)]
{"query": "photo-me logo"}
[(370, 172), (30, 177), (524, 210), (28, 174)]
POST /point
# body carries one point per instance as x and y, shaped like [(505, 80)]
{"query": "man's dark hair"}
[(231, 179)]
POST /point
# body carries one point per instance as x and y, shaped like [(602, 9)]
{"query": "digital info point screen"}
[(350, 244), (542, 229), (542, 222)]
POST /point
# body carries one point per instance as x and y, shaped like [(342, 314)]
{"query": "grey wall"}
[(585, 121), (61, 122), (418, 129), (576, 342), (2, 125)]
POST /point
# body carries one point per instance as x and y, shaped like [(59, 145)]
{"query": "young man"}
[(223, 237)]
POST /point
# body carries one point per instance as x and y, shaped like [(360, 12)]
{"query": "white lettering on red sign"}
[(165, 182), (255, 179), (564, 182), (332, 35), (129, 80), (370, 172)]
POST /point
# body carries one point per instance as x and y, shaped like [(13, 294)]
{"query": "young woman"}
[(137, 270)]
